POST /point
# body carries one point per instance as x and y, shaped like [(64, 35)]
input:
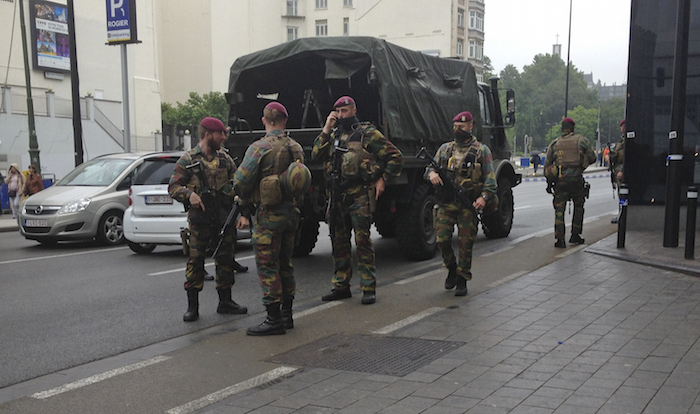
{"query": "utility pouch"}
[(350, 167), (270, 191), (372, 194)]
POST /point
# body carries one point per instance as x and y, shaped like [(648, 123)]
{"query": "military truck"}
[(410, 96)]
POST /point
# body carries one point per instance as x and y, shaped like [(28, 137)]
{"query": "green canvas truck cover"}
[(407, 94)]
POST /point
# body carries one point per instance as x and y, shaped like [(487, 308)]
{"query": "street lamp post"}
[(33, 142)]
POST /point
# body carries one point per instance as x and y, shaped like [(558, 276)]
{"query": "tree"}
[(488, 67)]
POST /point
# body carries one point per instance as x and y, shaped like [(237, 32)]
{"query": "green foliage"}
[(488, 68), (189, 114)]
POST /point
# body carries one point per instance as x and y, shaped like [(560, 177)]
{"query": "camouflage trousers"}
[(353, 214), (448, 215), (561, 197), (202, 243), (273, 242)]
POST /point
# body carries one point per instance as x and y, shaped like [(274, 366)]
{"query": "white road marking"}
[(521, 208), (217, 396), (97, 378), (404, 322), (181, 269), (56, 256), (419, 277), (572, 250), (319, 308)]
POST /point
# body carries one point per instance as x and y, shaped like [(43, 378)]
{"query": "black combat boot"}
[(192, 313), (576, 239), (560, 244), (451, 280), (369, 297), (461, 286), (273, 324), (287, 312), (337, 293), (208, 276), (227, 305), (239, 268)]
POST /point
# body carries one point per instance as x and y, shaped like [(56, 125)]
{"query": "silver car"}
[(89, 202)]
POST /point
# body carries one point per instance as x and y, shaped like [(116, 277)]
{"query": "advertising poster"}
[(50, 37)]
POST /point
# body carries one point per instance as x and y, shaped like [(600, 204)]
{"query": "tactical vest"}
[(463, 163), (274, 163), (567, 152), (358, 163)]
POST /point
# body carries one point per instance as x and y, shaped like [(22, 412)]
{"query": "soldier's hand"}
[(330, 122), (379, 185), (242, 223), (479, 203), (435, 178), (619, 176), (196, 201)]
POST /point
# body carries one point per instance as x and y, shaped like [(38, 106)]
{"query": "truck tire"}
[(308, 234), (386, 226), (414, 230), (498, 224)]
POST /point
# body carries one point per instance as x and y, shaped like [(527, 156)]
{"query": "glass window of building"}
[(476, 21), (460, 17), (472, 48), (292, 33), (291, 7), (321, 27), (347, 3), (346, 26), (321, 4), (460, 47)]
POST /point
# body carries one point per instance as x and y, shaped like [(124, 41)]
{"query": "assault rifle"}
[(613, 177), (335, 183), (447, 180), (227, 226)]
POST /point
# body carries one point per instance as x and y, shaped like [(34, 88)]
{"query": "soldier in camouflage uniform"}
[(471, 165), (276, 219), (567, 157), (616, 160), (206, 190), (367, 160)]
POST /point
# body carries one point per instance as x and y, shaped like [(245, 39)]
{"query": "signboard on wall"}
[(121, 22), (50, 37)]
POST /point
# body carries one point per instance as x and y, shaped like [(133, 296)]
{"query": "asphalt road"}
[(74, 303)]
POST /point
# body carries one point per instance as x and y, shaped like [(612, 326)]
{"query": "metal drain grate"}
[(364, 353)]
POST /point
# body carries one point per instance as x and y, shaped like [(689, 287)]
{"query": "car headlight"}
[(75, 206)]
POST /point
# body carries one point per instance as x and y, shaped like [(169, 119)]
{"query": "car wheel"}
[(110, 231), (141, 248)]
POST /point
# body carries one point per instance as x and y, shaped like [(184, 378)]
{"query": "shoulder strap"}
[(267, 161)]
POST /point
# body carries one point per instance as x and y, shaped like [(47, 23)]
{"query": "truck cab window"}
[(484, 109)]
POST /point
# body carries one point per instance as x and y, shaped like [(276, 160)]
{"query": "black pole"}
[(675, 150), (568, 63), (33, 141), (75, 89), (622, 222), (690, 223)]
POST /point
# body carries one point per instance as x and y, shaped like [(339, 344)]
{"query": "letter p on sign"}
[(114, 5)]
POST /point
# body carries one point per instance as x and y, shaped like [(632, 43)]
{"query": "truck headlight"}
[(75, 206)]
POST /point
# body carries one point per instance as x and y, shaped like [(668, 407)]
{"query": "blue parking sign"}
[(121, 21)]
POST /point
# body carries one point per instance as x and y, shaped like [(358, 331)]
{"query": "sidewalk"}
[(594, 332), (7, 223)]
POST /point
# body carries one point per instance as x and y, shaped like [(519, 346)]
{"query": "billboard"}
[(121, 21), (49, 36)]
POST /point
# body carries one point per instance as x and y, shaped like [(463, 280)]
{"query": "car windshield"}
[(97, 172)]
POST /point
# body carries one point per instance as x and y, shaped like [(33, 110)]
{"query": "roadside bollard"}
[(622, 224), (690, 223)]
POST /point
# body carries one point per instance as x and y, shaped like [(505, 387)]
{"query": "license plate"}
[(159, 199), (36, 223)]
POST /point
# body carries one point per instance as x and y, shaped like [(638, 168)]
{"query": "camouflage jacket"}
[(487, 178), (248, 176), (617, 155), (389, 159), (552, 170), (218, 172)]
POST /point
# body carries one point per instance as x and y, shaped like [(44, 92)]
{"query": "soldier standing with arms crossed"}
[(202, 181), (470, 164), (260, 180), (567, 157), (355, 182)]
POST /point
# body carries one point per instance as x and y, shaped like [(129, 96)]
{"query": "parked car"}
[(89, 202), (153, 217)]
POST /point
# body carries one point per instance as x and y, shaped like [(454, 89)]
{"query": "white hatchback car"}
[(153, 217)]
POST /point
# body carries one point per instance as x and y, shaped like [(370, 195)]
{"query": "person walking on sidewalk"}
[(34, 184), (567, 157), (202, 180), (470, 164), (261, 180), (536, 160), (15, 185)]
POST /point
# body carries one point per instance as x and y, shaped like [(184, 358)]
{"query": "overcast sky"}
[(517, 30)]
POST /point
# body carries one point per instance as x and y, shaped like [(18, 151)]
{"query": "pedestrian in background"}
[(202, 180), (33, 184), (536, 160), (15, 185), (470, 164), (567, 157), (260, 180), (367, 160)]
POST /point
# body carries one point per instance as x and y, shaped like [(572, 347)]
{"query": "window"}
[(346, 26), (292, 8), (347, 3), (476, 49), (321, 4), (460, 18), (321, 27), (476, 21), (292, 33), (460, 47)]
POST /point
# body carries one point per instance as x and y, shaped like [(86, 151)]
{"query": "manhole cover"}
[(365, 353)]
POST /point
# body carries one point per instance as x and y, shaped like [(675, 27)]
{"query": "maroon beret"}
[(622, 122), (344, 101), (568, 120), (279, 107), (213, 124), (465, 116)]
